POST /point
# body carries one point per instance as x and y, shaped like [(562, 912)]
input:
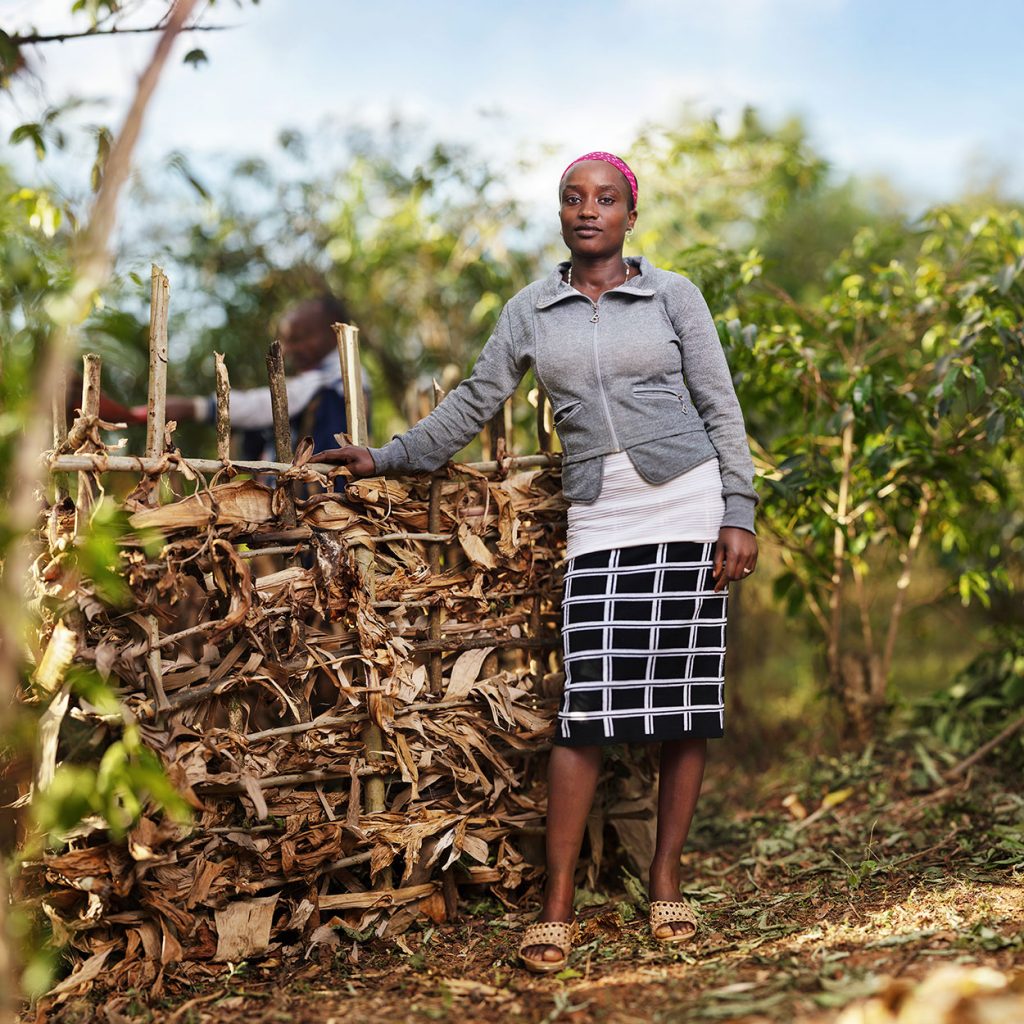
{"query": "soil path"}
[(884, 879)]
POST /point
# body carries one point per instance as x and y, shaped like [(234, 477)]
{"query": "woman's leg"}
[(572, 782), (682, 771)]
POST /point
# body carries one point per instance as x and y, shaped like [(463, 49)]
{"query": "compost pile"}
[(354, 717)]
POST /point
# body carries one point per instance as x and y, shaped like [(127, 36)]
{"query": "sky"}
[(918, 91)]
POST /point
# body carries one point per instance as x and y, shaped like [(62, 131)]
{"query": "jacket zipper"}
[(600, 383)]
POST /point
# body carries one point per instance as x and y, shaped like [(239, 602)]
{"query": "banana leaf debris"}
[(289, 700)]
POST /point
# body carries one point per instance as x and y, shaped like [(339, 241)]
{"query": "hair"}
[(329, 308), (332, 308)]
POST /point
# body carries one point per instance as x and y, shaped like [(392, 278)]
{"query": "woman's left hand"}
[(735, 555)]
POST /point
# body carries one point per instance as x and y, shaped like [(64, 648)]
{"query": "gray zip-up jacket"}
[(640, 370)]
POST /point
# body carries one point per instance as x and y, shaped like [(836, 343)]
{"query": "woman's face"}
[(595, 211)]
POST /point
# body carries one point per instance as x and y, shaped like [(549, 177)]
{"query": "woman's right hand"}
[(358, 460)]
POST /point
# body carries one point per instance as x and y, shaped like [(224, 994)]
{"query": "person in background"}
[(316, 400), (110, 409)]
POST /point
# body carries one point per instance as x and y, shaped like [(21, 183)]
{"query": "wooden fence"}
[(354, 690)]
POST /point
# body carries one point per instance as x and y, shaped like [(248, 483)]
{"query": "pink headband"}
[(608, 158)]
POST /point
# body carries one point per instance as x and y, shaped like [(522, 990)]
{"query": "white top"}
[(630, 511), (251, 408)]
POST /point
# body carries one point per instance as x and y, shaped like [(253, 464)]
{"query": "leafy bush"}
[(983, 698)]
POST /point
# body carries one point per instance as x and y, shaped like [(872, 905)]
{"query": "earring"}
[(629, 231)]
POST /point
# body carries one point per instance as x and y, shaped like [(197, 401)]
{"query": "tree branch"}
[(35, 39), (907, 562), (957, 770), (835, 602)]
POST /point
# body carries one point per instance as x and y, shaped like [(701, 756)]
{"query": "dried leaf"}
[(243, 928), (476, 550), (244, 503), (59, 654), (82, 976), (464, 673)]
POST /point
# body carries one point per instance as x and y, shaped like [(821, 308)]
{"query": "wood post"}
[(282, 426), (223, 391), (545, 429), (497, 446), (223, 410), (156, 421), (545, 421), (155, 666), (60, 428), (497, 434), (435, 668), (352, 382), (355, 415), (92, 369), (156, 412)]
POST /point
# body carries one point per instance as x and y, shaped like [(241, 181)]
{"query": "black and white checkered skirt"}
[(643, 643)]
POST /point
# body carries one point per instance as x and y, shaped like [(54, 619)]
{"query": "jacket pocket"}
[(566, 412), (661, 392)]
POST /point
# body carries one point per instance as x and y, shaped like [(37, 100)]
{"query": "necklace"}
[(593, 305)]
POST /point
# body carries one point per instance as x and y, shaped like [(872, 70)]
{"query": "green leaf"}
[(1006, 277), (33, 133)]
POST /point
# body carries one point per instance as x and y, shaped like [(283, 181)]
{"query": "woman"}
[(659, 477)]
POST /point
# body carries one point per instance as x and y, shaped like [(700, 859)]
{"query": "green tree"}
[(897, 396)]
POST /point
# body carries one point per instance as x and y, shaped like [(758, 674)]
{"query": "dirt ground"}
[(887, 876)]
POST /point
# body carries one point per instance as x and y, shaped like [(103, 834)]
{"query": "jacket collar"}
[(553, 289)]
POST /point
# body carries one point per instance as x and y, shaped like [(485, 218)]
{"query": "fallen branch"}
[(968, 762)]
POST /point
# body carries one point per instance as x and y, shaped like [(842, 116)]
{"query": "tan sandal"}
[(559, 934), (672, 912)]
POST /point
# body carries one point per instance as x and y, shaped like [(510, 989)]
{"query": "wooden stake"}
[(156, 413), (435, 667), (434, 555), (90, 410), (236, 718), (450, 892), (355, 415), (372, 735), (156, 422), (282, 426), (497, 434), (153, 663), (352, 382), (497, 445), (279, 402), (545, 423), (60, 428), (223, 409)]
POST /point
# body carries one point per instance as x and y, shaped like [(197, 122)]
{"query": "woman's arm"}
[(464, 411), (709, 381)]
